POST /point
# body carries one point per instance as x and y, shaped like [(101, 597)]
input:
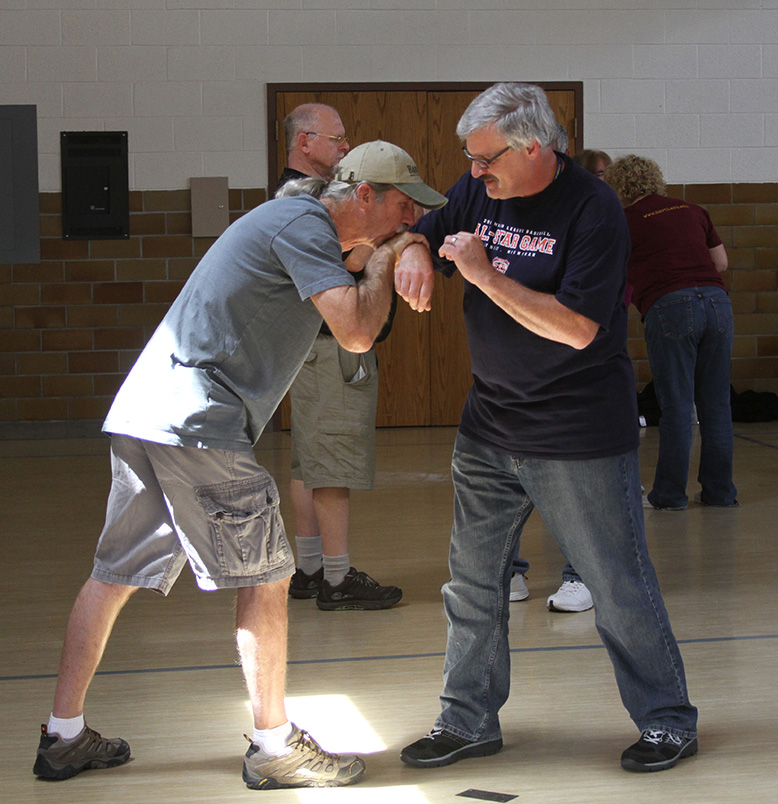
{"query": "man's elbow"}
[(359, 345), (358, 342), (579, 344), (583, 336)]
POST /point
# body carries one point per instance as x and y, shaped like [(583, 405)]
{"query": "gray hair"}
[(335, 190), (562, 140), (302, 118), (520, 113)]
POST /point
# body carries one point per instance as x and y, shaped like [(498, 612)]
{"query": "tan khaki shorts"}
[(333, 417), (217, 509)]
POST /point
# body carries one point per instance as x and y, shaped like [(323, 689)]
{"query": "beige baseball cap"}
[(384, 163)]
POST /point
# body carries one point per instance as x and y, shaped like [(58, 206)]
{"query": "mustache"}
[(486, 177), (403, 227)]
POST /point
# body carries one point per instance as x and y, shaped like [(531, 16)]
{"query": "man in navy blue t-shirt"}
[(550, 422)]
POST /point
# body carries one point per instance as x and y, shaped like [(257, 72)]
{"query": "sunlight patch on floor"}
[(334, 722)]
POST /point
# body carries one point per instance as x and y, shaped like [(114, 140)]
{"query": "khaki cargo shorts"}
[(217, 509)]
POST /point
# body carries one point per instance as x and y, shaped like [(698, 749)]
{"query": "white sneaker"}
[(571, 596), (519, 589)]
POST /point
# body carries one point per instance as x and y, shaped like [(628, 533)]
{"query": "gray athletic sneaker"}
[(307, 765), (60, 759)]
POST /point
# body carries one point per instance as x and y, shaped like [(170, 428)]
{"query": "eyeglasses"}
[(481, 161), (338, 140)]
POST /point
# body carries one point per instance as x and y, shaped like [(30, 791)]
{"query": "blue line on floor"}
[(756, 441), (343, 660)]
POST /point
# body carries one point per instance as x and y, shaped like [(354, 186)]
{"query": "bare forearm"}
[(356, 313), (720, 260), (360, 310), (414, 278), (539, 312), (374, 293)]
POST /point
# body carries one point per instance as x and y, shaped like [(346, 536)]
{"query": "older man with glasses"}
[(550, 422), (334, 400)]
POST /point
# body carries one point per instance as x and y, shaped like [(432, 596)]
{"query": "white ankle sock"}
[(308, 553), (272, 742), (66, 727), (335, 568)]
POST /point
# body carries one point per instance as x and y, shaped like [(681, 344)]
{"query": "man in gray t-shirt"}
[(186, 485), (227, 351)]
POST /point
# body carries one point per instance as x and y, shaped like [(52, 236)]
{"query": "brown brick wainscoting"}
[(72, 326)]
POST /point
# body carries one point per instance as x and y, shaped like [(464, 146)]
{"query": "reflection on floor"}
[(368, 681)]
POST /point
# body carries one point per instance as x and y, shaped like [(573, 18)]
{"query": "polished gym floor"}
[(368, 682)]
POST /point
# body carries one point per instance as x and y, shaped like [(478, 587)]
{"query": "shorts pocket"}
[(245, 522)]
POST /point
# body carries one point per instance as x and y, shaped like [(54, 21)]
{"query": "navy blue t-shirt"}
[(531, 396)]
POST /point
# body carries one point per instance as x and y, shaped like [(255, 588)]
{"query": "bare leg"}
[(91, 620), (306, 524), (261, 630), (332, 512)]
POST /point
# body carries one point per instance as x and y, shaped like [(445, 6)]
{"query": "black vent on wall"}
[(95, 185)]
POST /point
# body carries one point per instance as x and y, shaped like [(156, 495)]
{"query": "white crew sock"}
[(308, 553), (66, 727), (273, 742), (335, 568)]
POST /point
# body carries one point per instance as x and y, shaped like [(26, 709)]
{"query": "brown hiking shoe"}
[(60, 759), (307, 765)]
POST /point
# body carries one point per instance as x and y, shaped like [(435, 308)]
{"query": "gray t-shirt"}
[(228, 349)]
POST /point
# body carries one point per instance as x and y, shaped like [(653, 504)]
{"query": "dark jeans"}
[(689, 338), (594, 510)]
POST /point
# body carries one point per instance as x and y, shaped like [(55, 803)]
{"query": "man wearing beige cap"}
[(186, 485)]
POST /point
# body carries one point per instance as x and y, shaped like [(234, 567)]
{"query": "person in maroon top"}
[(675, 272)]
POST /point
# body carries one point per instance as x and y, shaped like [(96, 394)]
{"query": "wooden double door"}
[(424, 364)]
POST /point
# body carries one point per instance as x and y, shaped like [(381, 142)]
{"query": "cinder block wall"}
[(71, 327)]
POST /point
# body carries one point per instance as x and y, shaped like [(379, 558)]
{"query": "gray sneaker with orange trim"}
[(306, 765)]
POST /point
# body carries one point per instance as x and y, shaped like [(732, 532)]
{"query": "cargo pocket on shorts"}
[(246, 526)]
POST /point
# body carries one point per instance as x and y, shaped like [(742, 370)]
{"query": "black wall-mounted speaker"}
[(95, 185), (20, 237)]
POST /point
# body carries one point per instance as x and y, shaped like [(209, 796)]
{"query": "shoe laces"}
[(364, 579), (657, 737), (304, 740), (572, 586), (95, 740)]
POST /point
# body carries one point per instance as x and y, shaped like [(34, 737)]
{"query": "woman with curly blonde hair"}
[(635, 176), (675, 273)]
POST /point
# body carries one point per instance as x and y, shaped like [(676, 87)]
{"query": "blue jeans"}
[(594, 510), (521, 565), (689, 340)]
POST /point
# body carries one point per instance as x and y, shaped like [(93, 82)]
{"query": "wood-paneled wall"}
[(424, 365)]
